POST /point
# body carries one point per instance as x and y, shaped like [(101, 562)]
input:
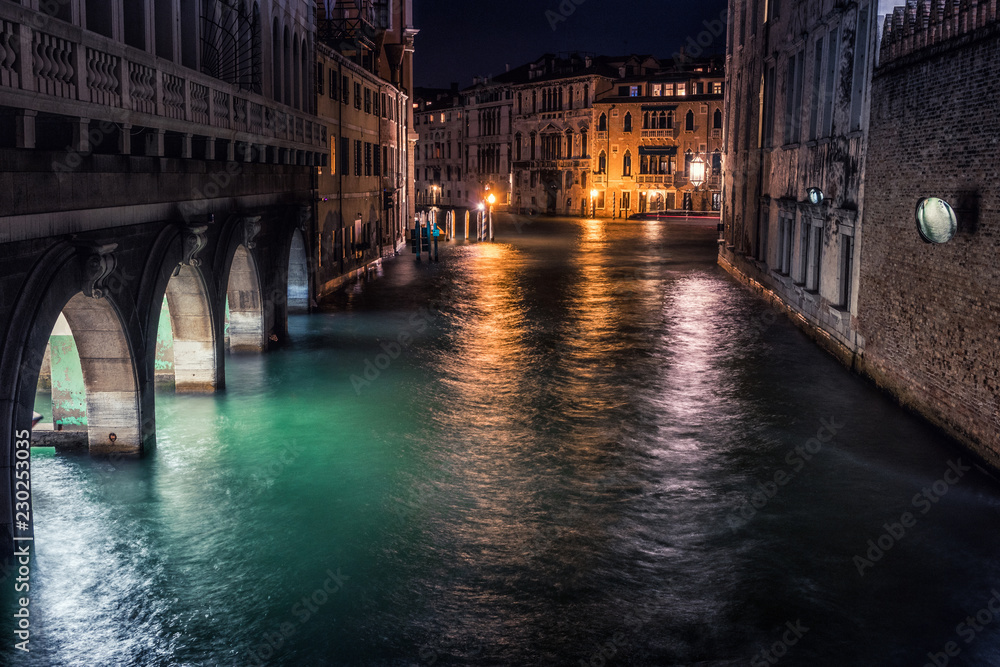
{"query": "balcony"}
[(63, 70), (655, 179), (659, 134)]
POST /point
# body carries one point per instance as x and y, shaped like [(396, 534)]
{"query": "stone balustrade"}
[(49, 66)]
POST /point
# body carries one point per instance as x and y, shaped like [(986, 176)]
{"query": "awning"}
[(657, 150)]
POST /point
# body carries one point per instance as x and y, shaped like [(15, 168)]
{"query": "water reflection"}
[(549, 466)]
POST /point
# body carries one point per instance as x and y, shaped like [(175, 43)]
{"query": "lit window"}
[(681, 89), (657, 89), (442, 118), (633, 91)]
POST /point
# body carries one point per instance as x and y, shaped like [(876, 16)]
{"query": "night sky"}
[(459, 39)]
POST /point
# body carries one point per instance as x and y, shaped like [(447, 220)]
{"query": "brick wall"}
[(930, 314)]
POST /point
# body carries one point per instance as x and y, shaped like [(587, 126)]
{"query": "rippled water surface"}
[(561, 444)]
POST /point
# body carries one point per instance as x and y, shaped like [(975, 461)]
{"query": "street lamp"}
[(492, 199), (593, 203), (697, 172)]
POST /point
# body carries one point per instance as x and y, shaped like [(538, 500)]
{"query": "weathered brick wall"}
[(931, 313)]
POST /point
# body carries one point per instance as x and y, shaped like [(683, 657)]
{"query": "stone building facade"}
[(528, 137), (648, 131), (440, 152), (360, 208), (929, 312), (799, 76)]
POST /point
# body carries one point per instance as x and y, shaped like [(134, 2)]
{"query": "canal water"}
[(581, 445)]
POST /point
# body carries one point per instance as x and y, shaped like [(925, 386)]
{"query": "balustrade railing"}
[(43, 56)]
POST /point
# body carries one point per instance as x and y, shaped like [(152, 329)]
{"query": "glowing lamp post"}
[(593, 203), (492, 199)]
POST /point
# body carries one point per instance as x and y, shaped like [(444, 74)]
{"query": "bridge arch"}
[(100, 312), (244, 298), (298, 275)]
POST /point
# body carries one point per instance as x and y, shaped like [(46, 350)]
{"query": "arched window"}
[(716, 162), (517, 146), (586, 96), (670, 120), (628, 122), (519, 103), (584, 152), (627, 164), (571, 98), (532, 145), (645, 120), (569, 143), (602, 123), (662, 121), (602, 163), (717, 120), (276, 62), (689, 121), (534, 102), (296, 74), (286, 75)]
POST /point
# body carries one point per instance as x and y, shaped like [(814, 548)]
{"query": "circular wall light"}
[(815, 196), (936, 220)]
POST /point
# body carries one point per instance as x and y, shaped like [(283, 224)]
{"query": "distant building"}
[(655, 127), (797, 127), (440, 162), (529, 137)]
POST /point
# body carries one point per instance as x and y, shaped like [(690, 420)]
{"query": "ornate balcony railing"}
[(51, 66)]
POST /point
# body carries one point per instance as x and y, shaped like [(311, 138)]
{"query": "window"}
[(357, 156), (602, 123), (357, 95), (628, 122), (785, 241), (846, 269), (861, 46), (633, 91), (816, 99), (368, 100), (602, 163), (689, 121), (320, 75), (333, 155), (657, 89), (763, 231), (623, 91), (345, 88), (717, 162), (626, 200), (377, 166), (345, 153), (627, 164), (793, 100), (814, 252), (584, 151), (670, 120), (375, 104), (717, 120), (767, 123), (517, 146), (334, 80), (681, 89), (832, 56)]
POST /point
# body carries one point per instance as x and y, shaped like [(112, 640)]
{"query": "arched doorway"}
[(244, 316), (298, 276)]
